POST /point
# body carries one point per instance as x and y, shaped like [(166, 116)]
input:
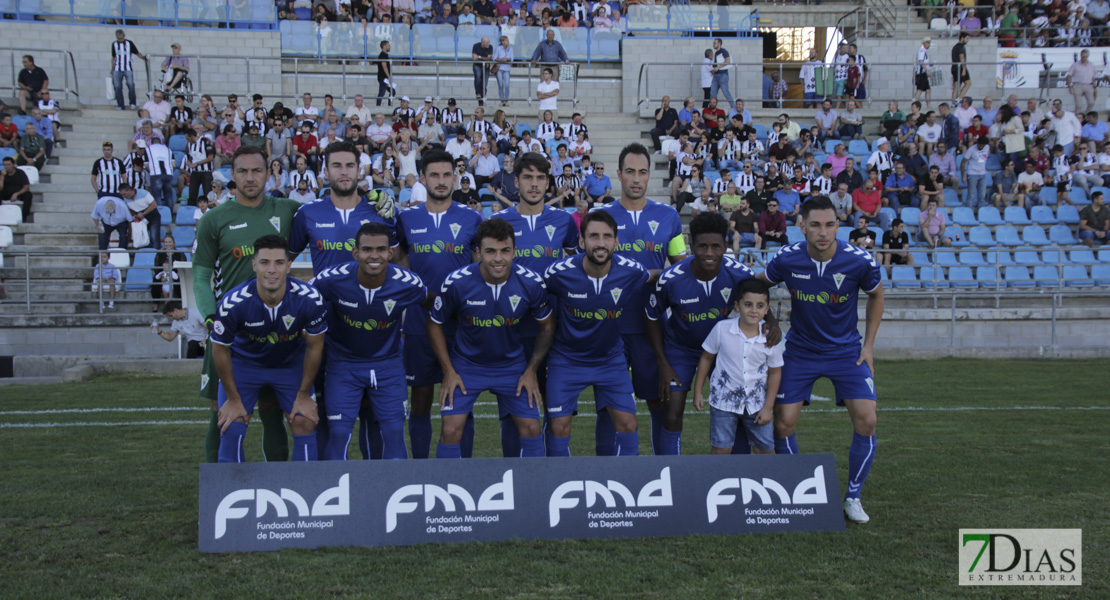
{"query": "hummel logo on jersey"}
[(416, 231), (364, 221), (288, 320), (455, 229), (239, 226), (518, 233), (276, 222), (256, 324), (550, 229), (839, 279), (579, 296), (616, 294), (389, 304), (323, 225), (725, 293), (475, 302), (690, 300), (799, 276), (653, 225), (348, 304), (620, 227), (514, 300), (335, 417)]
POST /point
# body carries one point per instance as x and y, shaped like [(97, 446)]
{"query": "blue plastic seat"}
[(1042, 215), (1062, 235), (522, 127), (144, 259), (885, 278), (958, 237), (1082, 257), (794, 234), (1104, 255), (1068, 214), (178, 143), (185, 216), (165, 215), (830, 144), (910, 216), (21, 121), (1078, 196), (989, 215), (987, 277), (972, 258), (951, 198), (1048, 195), (1101, 188), (1000, 258), (962, 215), (994, 163), (1076, 276), (1018, 277), (1027, 258), (1051, 257), (1046, 276), (404, 196), (859, 148), (946, 259), (1033, 235), (961, 277), (904, 276), (981, 236), (933, 277), (1015, 215), (1101, 274), (183, 236), (6, 152)]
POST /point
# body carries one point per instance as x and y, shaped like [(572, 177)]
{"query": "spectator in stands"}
[(146, 134), (666, 123), (892, 119), (1067, 128), (916, 164), (808, 77), (922, 66), (739, 110), (598, 186), (1094, 131), (1030, 183), (851, 122), (175, 68), (721, 64), (931, 186), (973, 173), (278, 142), (46, 128), (862, 236), (899, 188), (226, 145), (110, 214), (549, 51), (772, 225), (277, 182), (547, 92), (689, 189), (303, 193), (32, 147), (850, 175), (32, 83), (744, 223), (1094, 221), (842, 203), (789, 202), (205, 124), (929, 134), (15, 187), (949, 127), (988, 112), (867, 202), (105, 274), (306, 146), (964, 113), (946, 162), (1007, 192), (123, 68), (827, 122), (1081, 80), (158, 110), (1086, 172), (143, 207)]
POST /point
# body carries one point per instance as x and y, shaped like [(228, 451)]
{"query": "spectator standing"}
[(988, 112), (1067, 128), (922, 66), (481, 53), (186, 323), (1081, 80), (503, 62), (143, 207), (721, 64), (547, 91), (549, 51), (808, 76), (961, 78), (973, 173), (33, 82), (386, 88), (107, 172), (949, 127), (197, 162), (110, 214), (123, 68)]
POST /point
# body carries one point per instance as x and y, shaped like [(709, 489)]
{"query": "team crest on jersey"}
[(276, 222), (514, 300), (288, 320), (389, 304), (653, 225), (550, 229), (455, 229), (203, 381), (218, 327), (838, 278), (870, 384), (725, 293), (616, 294)]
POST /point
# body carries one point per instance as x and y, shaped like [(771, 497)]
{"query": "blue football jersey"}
[(265, 336), (647, 236), (690, 307), (329, 233), (540, 241), (364, 324), (437, 244), (587, 328), (824, 296), (489, 315)]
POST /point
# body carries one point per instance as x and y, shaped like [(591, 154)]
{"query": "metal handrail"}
[(15, 54)]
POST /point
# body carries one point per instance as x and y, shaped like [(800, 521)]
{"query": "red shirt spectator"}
[(305, 144), (8, 130), (772, 221), (868, 202), (974, 133), (711, 115)]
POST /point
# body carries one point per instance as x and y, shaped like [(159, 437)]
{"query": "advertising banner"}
[(1022, 67), (268, 506)]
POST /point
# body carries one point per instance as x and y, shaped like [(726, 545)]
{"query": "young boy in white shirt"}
[(747, 374)]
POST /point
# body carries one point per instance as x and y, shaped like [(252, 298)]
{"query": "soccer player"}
[(327, 227), (367, 298), (544, 235), (650, 233), (435, 238), (688, 300), (593, 290), (489, 301), (268, 333), (824, 276), (222, 260)]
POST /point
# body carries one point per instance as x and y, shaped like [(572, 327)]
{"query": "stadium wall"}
[(679, 82)]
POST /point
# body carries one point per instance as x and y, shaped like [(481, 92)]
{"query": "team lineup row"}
[(491, 325)]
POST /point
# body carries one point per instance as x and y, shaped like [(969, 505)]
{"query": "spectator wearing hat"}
[(452, 119)]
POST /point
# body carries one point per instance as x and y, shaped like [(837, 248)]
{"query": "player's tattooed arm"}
[(528, 380)]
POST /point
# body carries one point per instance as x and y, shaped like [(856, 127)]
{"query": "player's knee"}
[(559, 427), (528, 428), (623, 422), (864, 424), (302, 426)]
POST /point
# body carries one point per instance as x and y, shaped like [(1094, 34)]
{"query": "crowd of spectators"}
[(1025, 23)]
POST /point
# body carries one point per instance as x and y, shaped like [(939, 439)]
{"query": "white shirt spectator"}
[(486, 166), (378, 133), (930, 133), (739, 382), (1067, 128), (977, 159), (457, 149), (159, 111), (965, 115), (310, 111), (546, 131), (706, 72), (419, 194), (305, 198), (546, 88)]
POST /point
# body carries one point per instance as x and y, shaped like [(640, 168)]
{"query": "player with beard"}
[(434, 239), (327, 228)]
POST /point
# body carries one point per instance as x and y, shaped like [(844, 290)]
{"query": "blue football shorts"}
[(566, 380), (801, 369), (641, 358), (382, 381), (251, 379)]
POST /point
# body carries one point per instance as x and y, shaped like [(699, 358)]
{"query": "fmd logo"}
[(1021, 557), (496, 497), (778, 502), (656, 492), (332, 502)]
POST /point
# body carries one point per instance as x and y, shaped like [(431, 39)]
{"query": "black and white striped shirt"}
[(410, 111), (138, 179), (452, 117), (181, 115), (572, 130), (198, 151), (121, 55), (481, 127), (109, 174), (295, 178), (720, 186), (546, 131), (159, 160), (429, 116), (744, 182), (822, 186), (563, 182)]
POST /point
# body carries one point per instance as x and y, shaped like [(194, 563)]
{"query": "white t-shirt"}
[(930, 133), (548, 103), (419, 194), (739, 382), (311, 111)]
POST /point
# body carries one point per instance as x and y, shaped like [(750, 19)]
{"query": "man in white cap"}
[(922, 65), (428, 113), (404, 109), (882, 159)]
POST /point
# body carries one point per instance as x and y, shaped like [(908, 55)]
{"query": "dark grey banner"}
[(267, 506)]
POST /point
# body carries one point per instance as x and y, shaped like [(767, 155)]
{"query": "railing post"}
[(952, 325), (343, 72), (72, 11), (15, 73), (27, 278)]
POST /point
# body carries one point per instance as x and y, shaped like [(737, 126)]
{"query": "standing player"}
[(593, 290), (543, 235), (650, 233), (489, 301), (689, 299), (436, 238), (824, 276), (221, 261), (367, 299), (268, 333), (327, 227)]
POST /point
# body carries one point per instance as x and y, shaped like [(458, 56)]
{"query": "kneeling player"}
[(490, 300), (258, 343), (746, 379), (592, 290), (367, 298)]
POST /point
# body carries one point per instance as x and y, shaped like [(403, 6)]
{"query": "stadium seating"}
[(11, 215), (962, 215), (1015, 215), (1051, 257), (859, 148), (1000, 258), (405, 195), (1028, 258), (1082, 257), (6, 152), (910, 216), (1033, 235), (144, 259), (1018, 277), (903, 276), (951, 198), (989, 215), (947, 259), (981, 236), (1045, 276), (1076, 276), (1048, 195), (1078, 196), (831, 144), (794, 234), (185, 216), (1007, 235), (119, 259), (138, 279), (183, 236), (761, 133), (1042, 215), (1062, 235), (972, 258), (959, 238), (1101, 274), (6, 239), (987, 277), (933, 277), (1068, 215), (178, 143), (32, 174), (1104, 256), (165, 215), (961, 277)]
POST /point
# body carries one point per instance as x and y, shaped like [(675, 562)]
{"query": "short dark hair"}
[(170, 306), (126, 187), (383, 43), (247, 151), (599, 215), (896, 222), (435, 156), (818, 203), (633, 148), (271, 242), (182, 96), (340, 146), (707, 222), (498, 230), (751, 286), (372, 229), (1096, 195), (9, 159)]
